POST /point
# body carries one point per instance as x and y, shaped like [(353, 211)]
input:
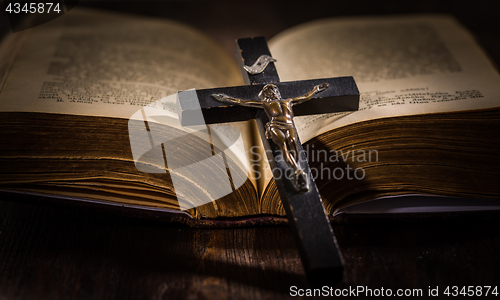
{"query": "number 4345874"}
[(32, 8), (476, 291)]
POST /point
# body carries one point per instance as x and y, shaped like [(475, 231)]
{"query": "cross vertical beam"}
[(311, 228)]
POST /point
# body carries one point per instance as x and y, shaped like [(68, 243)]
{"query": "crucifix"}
[(274, 104)]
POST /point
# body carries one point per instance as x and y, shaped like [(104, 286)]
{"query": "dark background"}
[(49, 252), (226, 21)]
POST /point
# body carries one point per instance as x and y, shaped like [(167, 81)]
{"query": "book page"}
[(90, 62), (415, 203), (403, 65), (105, 64), (8, 51)]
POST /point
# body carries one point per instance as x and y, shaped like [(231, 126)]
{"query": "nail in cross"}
[(313, 233)]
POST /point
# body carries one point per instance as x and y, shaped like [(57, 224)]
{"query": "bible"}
[(423, 139)]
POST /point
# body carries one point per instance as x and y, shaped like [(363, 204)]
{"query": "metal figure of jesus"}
[(281, 128)]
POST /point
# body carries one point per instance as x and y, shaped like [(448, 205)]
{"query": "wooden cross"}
[(311, 228)]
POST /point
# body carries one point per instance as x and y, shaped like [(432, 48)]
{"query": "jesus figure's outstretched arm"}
[(227, 99), (309, 95)]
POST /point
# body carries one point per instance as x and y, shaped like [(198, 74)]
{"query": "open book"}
[(429, 109)]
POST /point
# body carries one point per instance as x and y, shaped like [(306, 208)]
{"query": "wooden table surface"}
[(62, 253), (51, 252)]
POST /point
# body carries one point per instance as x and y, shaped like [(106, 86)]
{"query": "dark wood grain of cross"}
[(321, 257)]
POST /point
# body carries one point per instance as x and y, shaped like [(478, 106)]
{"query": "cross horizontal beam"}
[(342, 95)]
